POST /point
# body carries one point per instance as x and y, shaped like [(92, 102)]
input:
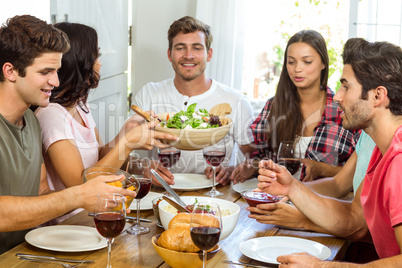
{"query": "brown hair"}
[(189, 24), (285, 119), (24, 38), (376, 64)]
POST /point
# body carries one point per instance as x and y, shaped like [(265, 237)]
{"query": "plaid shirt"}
[(331, 143)]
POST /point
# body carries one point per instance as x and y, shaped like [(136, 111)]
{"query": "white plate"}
[(190, 182), (248, 184), (66, 238), (267, 249), (146, 201)]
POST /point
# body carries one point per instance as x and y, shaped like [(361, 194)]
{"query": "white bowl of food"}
[(230, 212)]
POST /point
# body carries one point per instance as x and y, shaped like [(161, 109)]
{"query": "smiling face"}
[(357, 113), (304, 65), (41, 77), (189, 55)]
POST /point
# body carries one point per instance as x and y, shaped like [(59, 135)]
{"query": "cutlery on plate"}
[(127, 218), (179, 207), (168, 188), (66, 265), (51, 258), (246, 264)]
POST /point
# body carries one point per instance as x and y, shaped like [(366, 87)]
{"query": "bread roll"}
[(178, 239), (184, 219)]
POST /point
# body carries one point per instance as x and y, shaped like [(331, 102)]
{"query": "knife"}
[(168, 188), (22, 255), (177, 206), (127, 218)]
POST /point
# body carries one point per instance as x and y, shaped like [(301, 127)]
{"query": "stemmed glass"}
[(214, 155), (168, 156), (289, 155), (110, 218), (205, 226), (137, 167)]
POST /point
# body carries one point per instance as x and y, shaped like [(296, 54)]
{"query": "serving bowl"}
[(129, 183), (196, 139), (228, 222), (177, 259), (254, 198)]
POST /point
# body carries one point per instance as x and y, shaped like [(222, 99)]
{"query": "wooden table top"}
[(137, 251)]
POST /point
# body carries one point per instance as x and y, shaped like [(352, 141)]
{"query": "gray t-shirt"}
[(20, 166)]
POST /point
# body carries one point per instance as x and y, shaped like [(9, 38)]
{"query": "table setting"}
[(215, 219)]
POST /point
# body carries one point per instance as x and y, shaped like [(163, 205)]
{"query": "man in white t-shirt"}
[(189, 51)]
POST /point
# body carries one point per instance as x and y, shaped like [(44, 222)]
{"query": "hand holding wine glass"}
[(289, 156), (214, 155), (110, 218), (205, 226), (137, 167)]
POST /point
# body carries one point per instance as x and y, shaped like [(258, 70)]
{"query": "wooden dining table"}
[(137, 251)]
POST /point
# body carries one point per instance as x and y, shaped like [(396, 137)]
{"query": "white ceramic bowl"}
[(228, 222)]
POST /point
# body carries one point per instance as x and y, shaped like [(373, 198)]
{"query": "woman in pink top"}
[(71, 141)]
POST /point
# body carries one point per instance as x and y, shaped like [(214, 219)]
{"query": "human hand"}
[(279, 213), (302, 260), (222, 174), (274, 179), (313, 169), (145, 137), (243, 171), (162, 171), (87, 193)]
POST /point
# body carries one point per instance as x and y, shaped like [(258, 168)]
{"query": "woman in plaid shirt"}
[(302, 110)]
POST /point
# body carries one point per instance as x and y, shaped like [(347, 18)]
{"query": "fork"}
[(66, 265)]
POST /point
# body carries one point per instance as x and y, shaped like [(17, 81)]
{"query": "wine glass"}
[(168, 156), (137, 167), (110, 218), (205, 226), (214, 155), (289, 156)]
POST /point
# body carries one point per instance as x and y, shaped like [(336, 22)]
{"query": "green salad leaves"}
[(192, 119)]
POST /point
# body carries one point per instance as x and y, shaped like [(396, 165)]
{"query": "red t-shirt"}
[(381, 196)]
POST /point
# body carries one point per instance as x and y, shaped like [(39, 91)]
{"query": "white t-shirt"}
[(163, 97), (302, 145)]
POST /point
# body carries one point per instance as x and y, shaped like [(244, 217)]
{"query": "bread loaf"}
[(178, 236)]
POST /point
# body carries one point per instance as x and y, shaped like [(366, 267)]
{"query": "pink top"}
[(381, 196), (57, 124)]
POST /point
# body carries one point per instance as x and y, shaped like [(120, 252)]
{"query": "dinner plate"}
[(248, 184), (191, 181), (267, 249), (146, 201), (66, 238)]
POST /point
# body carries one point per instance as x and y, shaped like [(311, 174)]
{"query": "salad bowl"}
[(195, 139)]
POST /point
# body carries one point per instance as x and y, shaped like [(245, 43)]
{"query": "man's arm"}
[(337, 217), (19, 213), (340, 185)]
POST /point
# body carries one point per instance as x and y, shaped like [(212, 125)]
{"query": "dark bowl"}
[(255, 198)]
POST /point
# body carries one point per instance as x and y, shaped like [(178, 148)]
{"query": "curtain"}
[(227, 23)]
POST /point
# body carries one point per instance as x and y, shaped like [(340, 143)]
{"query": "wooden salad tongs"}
[(143, 114), (221, 110)]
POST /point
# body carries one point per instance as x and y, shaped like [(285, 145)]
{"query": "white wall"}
[(151, 21)]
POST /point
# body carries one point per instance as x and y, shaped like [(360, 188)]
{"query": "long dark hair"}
[(77, 75), (285, 120)]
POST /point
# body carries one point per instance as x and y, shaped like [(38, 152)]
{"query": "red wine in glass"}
[(205, 237), (110, 224), (214, 158), (291, 164), (169, 157), (145, 187)]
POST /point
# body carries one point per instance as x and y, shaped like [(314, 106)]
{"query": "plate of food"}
[(196, 129), (191, 182)]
